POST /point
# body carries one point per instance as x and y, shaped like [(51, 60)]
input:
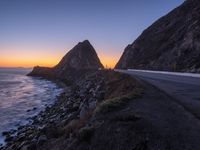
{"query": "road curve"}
[(185, 90)]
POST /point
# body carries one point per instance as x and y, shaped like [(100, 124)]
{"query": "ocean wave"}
[(22, 97)]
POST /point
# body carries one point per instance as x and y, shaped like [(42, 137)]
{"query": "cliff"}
[(172, 43)]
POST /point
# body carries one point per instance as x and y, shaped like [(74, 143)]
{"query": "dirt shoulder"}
[(153, 121)]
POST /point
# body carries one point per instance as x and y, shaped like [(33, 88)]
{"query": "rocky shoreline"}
[(70, 113)]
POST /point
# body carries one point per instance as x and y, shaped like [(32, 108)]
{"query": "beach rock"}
[(47, 124), (76, 105), (83, 111), (92, 104), (9, 138), (31, 146), (42, 139), (25, 147), (100, 95), (6, 133)]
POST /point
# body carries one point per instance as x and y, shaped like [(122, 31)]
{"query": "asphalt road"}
[(184, 90)]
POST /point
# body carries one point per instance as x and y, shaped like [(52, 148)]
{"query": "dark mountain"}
[(172, 43), (82, 56), (79, 59)]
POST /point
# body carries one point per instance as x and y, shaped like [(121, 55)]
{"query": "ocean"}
[(22, 97)]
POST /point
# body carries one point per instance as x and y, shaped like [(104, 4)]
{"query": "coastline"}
[(55, 87), (109, 110), (70, 113)]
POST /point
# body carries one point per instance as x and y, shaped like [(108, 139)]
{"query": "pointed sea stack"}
[(81, 58), (172, 43)]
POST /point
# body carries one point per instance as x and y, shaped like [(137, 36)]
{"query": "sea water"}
[(22, 97)]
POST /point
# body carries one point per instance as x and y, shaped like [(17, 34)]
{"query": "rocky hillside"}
[(79, 59), (82, 56), (77, 115), (172, 43)]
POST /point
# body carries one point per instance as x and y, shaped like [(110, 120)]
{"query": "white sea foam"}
[(19, 93)]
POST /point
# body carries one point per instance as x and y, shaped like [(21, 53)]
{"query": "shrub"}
[(110, 104)]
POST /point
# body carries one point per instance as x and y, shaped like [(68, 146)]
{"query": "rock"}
[(9, 138), (76, 105), (6, 133), (42, 72), (79, 59), (83, 112), (171, 43), (82, 56), (92, 104), (100, 95), (31, 146), (41, 140), (25, 147), (47, 124)]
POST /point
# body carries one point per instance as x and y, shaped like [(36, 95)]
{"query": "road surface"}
[(183, 88)]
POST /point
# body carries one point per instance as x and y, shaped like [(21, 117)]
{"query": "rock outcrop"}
[(42, 72), (172, 43), (79, 59), (73, 119), (82, 56)]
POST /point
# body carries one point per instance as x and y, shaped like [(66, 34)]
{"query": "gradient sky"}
[(40, 32)]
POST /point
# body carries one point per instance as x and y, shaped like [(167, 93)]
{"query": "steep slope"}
[(79, 59), (172, 43), (82, 56)]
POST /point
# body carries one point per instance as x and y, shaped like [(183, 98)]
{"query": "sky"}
[(41, 32)]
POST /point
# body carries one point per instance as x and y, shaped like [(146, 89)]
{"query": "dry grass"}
[(118, 84), (119, 88), (73, 127), (113, 103)]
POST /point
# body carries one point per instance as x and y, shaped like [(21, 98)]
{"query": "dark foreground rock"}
[(172, 43), (73, 118), (109, 111)]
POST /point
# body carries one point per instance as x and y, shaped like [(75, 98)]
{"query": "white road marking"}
[(195, 75)]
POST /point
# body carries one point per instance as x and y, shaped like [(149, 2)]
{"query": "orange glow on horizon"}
[(27, 59), (28, 64), (30, 59), (108, 60)]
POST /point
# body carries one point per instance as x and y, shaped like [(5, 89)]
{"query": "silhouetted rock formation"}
[(172, 43), (82, 56), (42, 72), (78, 60)]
